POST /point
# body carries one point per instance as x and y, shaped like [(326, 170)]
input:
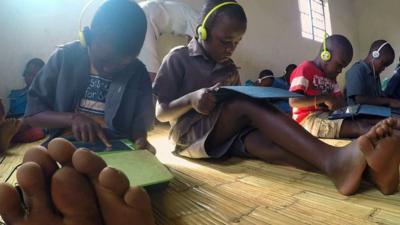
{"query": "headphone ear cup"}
[(84, 37), (202, 32), (375, 54), (326, 55)]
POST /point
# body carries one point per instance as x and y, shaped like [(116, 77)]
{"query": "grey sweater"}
[(61, 83)]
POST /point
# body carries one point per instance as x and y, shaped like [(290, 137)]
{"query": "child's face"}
[(30, 73), (338, 62), (106, 59), (382, 62), (224, 37)]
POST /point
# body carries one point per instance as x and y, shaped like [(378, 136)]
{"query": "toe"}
[(114, 180), (88, 163), (74, 196), (40, 156), (61, 151), (31, 179), (10, 207)]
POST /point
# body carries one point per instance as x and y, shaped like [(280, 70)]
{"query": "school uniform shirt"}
[(310, 80), (65, 85), (188, 69), (361, 81), (393, 88), (165, 17)]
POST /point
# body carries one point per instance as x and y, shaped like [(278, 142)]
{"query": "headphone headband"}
[(377, 53), (83, 12), (202, 31), (215, 9)]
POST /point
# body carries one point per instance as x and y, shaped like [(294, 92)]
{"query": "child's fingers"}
[(215, 87), (103, 138)]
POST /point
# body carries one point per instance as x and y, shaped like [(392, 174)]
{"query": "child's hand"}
[(203, 100), (333, 103), (87, 130)]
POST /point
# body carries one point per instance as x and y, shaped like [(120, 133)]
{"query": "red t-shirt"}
[(311, 81)]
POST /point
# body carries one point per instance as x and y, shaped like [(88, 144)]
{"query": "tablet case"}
[(358, 110), (269, 93)]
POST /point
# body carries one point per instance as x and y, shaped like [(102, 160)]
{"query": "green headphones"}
[(84, 34), (325, 54), (202, 31)]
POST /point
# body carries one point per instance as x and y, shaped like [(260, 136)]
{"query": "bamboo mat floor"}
[(237, 191)]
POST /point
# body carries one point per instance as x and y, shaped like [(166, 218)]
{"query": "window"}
[(315, 19)]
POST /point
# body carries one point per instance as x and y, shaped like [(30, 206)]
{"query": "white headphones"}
[(377, 53)]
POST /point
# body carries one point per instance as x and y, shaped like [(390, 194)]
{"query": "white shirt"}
[(165, 17)]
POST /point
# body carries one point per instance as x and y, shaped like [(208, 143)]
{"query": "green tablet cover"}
[(140, 166)]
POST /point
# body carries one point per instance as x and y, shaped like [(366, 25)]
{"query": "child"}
[(363, 84), (393, 88), (83, 191), (18, 97), (203, 128), (317, 81), (284, 81), (87, 90), (265, 79), (18, 101)]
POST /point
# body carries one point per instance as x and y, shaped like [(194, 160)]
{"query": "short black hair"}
[(265, 73), (35, 61), (123, 22), (233, 11), (290, 67), (386, 50), (338, 41)]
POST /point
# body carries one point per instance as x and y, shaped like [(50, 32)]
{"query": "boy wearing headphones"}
[(97, 84), (363, 84), (317, 81)]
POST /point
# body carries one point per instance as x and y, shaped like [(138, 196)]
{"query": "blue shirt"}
[(361, 81), (18, 99), (280, 83), (393, 88)]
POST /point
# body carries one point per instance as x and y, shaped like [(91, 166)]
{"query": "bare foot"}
[(8, 128), (118, 202), (347, 168), (377, 151), (73, 198), (382, 152)]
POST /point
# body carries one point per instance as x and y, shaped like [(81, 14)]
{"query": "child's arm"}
[(203, 101), (331, 102), (391, 102), (83, 128)]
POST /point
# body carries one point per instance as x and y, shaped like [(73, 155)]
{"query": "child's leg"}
[(344, 167), (262, 148), (72, 193), (356, 128), (8, 128)]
